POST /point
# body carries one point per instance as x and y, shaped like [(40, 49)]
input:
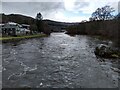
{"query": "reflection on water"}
[(57, 61)]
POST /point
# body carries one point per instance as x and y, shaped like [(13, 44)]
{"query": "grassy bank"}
[(10, 38)]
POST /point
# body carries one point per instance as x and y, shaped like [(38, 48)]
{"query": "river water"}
[(57, 61)]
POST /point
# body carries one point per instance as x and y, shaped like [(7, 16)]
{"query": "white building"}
[(14, 29)]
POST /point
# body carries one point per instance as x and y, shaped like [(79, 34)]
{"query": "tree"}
[(104, 13), (117, 16), (33, 28), (47, 29), (39, 22)]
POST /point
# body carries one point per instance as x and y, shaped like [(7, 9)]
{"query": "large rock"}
[(106, 51)]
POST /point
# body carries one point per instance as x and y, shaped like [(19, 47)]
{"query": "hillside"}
[(17, 18), (55, 25)]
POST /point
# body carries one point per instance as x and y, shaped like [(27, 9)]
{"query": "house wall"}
[(13, 29), (9, 30)]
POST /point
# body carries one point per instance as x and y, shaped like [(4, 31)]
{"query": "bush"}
[(108, 28)]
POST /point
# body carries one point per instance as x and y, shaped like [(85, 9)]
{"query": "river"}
[(57, 61)]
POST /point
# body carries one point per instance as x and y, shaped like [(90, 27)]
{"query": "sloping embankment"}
[(11, 39)]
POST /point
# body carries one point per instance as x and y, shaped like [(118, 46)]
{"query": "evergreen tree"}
[(39, 22)]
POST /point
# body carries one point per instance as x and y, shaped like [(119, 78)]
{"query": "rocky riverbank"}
[(105, 51)]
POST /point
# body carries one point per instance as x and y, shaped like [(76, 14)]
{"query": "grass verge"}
[(10, 38)]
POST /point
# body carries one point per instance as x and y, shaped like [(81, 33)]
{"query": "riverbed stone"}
[(106, 51)]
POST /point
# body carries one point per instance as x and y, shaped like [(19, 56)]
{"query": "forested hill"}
[(58, 26), (17, 18), (31, 21), (51, 22)]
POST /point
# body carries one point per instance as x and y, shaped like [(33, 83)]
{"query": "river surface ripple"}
[(57, 61)]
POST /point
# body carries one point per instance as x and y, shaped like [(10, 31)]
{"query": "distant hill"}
[(17, 18), (21, 19), (58, 26)]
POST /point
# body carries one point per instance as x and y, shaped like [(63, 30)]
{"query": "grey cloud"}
[(46, 6), (79, 5), (32, 0), (31, 8), (119, 7), (49, 10)]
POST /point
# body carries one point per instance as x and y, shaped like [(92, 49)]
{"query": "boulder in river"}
[(106, 51)]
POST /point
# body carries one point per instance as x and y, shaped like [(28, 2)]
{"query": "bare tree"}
[(104, 13)]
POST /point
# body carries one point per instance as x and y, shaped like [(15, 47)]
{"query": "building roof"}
[(25, 25), (1, 24), (15, 24), (12, 23), (27, 30)]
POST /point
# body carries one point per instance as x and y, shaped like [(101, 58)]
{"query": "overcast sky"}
[(59, 10)]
